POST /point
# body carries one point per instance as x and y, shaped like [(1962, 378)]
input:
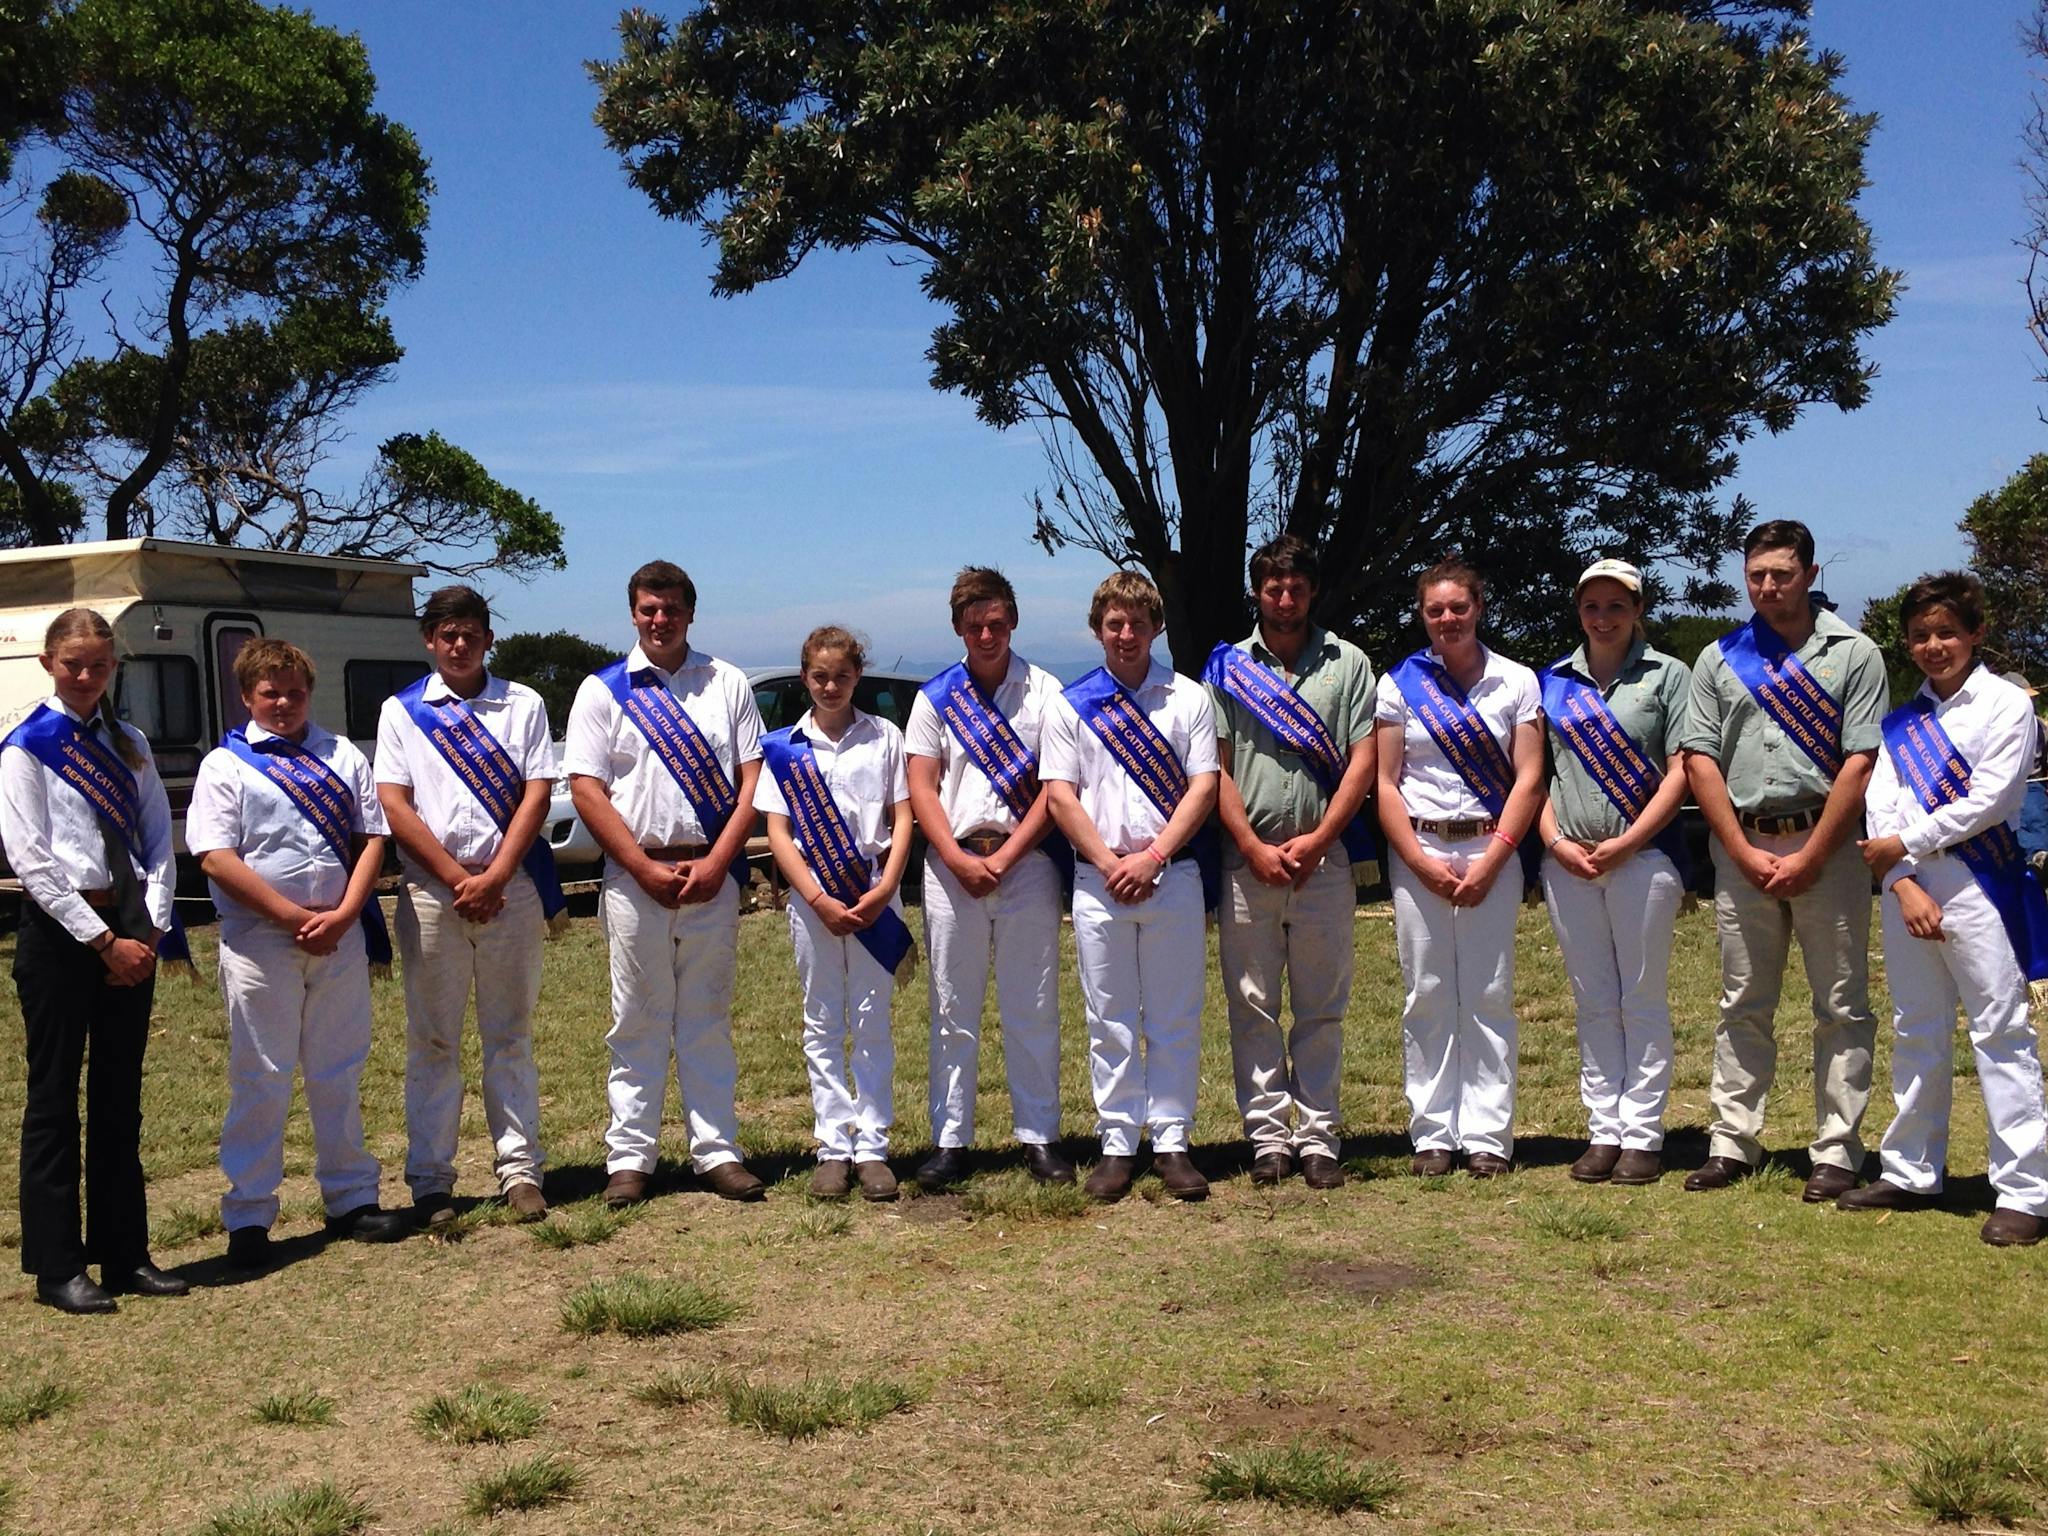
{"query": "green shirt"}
[(1647, 698), (1281, 797), (1768, 773)]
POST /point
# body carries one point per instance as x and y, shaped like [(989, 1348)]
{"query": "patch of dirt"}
[(930, 1210), (1370, 1430), (1366, 1282)]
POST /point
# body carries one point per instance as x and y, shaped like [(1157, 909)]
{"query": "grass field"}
[(1441, 1355)]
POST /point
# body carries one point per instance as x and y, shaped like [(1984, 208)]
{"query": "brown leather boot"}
[(626, 1187), (526, 1201), (731, 1181), (876, 1181), (1596, 1163), (1111, 1180), (833, 1179), (1183, 1180), (2011, 1229)]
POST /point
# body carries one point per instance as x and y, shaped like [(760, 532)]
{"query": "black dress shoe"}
[(1271, 1166), (945, 1167), (1046, 1165), (248, 1247), (371, 1224), (144, 1279), (78, 1295)]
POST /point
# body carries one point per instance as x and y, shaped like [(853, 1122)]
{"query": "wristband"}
[(1551, 846), (1153, 849), (1502, 836)]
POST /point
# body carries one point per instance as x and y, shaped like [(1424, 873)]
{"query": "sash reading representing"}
[(681, 748), (1789, 694), (993, 746), (481, 762), (320, 795), (93, 767), (1136, 745), (1939, 774), (1276, 705), (827, 843), (1457, 729), (1617, 762)]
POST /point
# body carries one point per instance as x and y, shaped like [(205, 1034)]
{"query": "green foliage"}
[(1013, 1195), (1576, 1221), (1087, 1391), (478, 1415), (639, 1306), (1965, 1474), (301, 1406), (1880, 622), (185, 1224), (1685, 635), (581, 1226), (34, 63), (552, 665), (320, 1509), (814, 1405), (1303, 1476), (31, 1402), (2008, 533), (681, 1387), (534, 1483), (1511, 277)]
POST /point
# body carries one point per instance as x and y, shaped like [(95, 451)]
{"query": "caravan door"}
[(226, 634)]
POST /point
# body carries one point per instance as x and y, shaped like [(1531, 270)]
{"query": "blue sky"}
[(786, 447)]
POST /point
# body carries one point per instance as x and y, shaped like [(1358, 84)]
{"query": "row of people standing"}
[(1125, 766)]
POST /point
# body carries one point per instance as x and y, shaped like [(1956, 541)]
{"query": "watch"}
[(100, 949)]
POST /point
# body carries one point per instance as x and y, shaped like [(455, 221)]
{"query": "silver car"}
[(779, 695)]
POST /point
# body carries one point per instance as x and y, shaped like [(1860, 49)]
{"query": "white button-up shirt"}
[(863, 769), (604, 744), (237, 808), (512, 712), (1504, 697), (970, 799), (53, 839), (1124, 814), (1992, 724)]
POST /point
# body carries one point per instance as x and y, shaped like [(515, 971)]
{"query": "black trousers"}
[(66, 1000)]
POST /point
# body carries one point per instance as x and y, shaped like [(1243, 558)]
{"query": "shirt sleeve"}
[(1202, 754), (1676, 696), (1389, 707), (899, 774), (160, 878), (25, 828), (1885, 813), (768, 795), (587, 745), (1219, 705), (1866, 694), (925, 735), (368, 806), (1360, 700), (1998, 783), (392, 729), (537, 744), (1058, 749), (1703, 707), (746, 720), (214, 818), (1528, 698)]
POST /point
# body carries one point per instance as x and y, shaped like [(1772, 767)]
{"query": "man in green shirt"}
[(1778, 766), (1288, 894)]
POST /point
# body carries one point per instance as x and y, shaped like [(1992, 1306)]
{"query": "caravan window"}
[(369, 684), (159, 696)]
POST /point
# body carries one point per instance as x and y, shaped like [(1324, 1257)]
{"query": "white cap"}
[(1611, 570)]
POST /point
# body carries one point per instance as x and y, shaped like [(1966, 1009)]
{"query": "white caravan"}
[(182, 612)]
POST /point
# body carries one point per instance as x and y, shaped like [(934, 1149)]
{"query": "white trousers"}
[(288, 1009), (1831, 919), (1973, 968), (1287, 1081), (444, 957), (672, 976), (847, 1047), (1142, 972), (1615, 934), (1458, 1031), (1014, 931)]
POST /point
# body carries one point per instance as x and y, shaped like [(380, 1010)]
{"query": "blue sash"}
[(1274, 703), (1618, 763), (481, 762), (1938, 774), (1456, 728), (826, 841), (94, 768), (1789, 695), (993, 745), (320, 795), (1135, 744), (681, 748)]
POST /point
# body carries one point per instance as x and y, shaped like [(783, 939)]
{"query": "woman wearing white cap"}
[(1613, 874), (1459, 731)]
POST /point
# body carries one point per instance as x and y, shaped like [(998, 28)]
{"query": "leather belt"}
[(678, 853), (982, 844), (1782, 825), (1474, 827)]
